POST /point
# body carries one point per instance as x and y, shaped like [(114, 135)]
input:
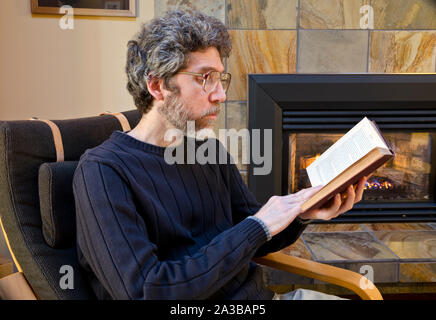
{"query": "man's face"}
[(189, 102)]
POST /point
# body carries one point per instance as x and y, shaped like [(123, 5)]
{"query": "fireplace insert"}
[(307, 113)]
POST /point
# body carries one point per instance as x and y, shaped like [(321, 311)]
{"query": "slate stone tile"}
[(404, 14), (410, 244), (215, 8), (334, 227), (221, 121), (397, 226), (261, 14), (237, 113), (332, 14), (402, 51), (417, 272), (298, 249), (275, 277), (346, 246), (377, 272), (259, 51), (332, 51)]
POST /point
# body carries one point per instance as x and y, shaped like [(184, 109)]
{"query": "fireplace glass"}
[(407, 178)]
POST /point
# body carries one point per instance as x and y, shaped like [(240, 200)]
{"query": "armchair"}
[(37, 216)]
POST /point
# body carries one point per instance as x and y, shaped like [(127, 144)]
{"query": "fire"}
[(305, 162), (378, 185)]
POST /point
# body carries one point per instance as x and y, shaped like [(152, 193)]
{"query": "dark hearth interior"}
[(407, 177), (308, 113)]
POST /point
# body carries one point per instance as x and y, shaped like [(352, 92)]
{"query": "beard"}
[(178, 114)]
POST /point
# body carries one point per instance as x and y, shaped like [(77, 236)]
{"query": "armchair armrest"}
[(341, 277)]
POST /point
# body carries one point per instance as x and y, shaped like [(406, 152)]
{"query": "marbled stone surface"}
[(396, 252), (215, 8), (261, 14), (331, 14), (276, 277), (346, 246), (379, 272), (237, 119), (259, 51), (417, 272), (398, 226), (402, 51), (220, 121), (298, 249), (237, 113), (329, 51), (410, 244), (404, 14), (334, 227)]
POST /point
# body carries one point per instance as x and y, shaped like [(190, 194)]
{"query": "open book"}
[(361, 151)]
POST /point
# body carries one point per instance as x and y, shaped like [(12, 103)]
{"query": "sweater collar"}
[(125, 139)]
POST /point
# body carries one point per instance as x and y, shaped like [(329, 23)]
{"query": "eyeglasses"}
[(211, 79)]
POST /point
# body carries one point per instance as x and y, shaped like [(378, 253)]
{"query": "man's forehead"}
[(205, 60)]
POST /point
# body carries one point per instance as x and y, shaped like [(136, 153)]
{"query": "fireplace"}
[(308, 113)]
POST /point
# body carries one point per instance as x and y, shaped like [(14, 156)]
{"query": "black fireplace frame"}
[(331, 103)]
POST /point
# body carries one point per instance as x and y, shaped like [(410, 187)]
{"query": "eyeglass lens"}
[(212, 81)]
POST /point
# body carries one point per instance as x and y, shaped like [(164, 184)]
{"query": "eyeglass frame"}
[(204, 76)]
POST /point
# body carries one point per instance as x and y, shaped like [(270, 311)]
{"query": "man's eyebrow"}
[(205, 69)]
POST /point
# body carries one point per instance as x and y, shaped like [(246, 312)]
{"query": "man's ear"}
[(155, 86)]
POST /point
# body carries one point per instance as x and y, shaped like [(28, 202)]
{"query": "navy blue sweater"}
[(150, 230)]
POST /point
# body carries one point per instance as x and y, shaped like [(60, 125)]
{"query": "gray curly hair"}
[(162, 46)]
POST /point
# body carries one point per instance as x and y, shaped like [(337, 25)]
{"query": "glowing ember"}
[(378, 185)]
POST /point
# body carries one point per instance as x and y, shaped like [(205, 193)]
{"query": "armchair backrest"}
[(36, 203)]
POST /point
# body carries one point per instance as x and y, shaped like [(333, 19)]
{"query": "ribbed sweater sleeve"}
[(115, 241), (245, 204)]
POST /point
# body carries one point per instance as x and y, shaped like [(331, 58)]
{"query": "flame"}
[(308, 161), (376, 185)]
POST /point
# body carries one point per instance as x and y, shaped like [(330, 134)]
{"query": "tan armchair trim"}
[(57, 137), (125, 125), (311, 269)]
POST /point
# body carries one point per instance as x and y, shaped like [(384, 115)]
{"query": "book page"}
[(354, 145)]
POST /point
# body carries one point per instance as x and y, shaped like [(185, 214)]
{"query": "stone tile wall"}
[(318, 36)]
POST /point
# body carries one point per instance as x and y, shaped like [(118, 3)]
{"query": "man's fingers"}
[(360, 188), (349, 202), (328, 213), (305, 194)]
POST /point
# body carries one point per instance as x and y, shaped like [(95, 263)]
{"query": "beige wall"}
[(52, 73)]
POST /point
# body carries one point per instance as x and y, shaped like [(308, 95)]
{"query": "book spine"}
[(381, 135)]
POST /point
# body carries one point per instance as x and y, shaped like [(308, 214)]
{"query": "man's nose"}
[(218, 95)]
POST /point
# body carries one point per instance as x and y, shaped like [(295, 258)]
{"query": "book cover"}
[(361, 151)]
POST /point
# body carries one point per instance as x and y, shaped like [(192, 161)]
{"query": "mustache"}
[(214, 110)]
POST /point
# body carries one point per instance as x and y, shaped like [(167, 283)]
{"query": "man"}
[(147, 229)]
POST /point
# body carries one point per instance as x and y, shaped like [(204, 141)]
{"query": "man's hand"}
[(280, 211), (339, 204)]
